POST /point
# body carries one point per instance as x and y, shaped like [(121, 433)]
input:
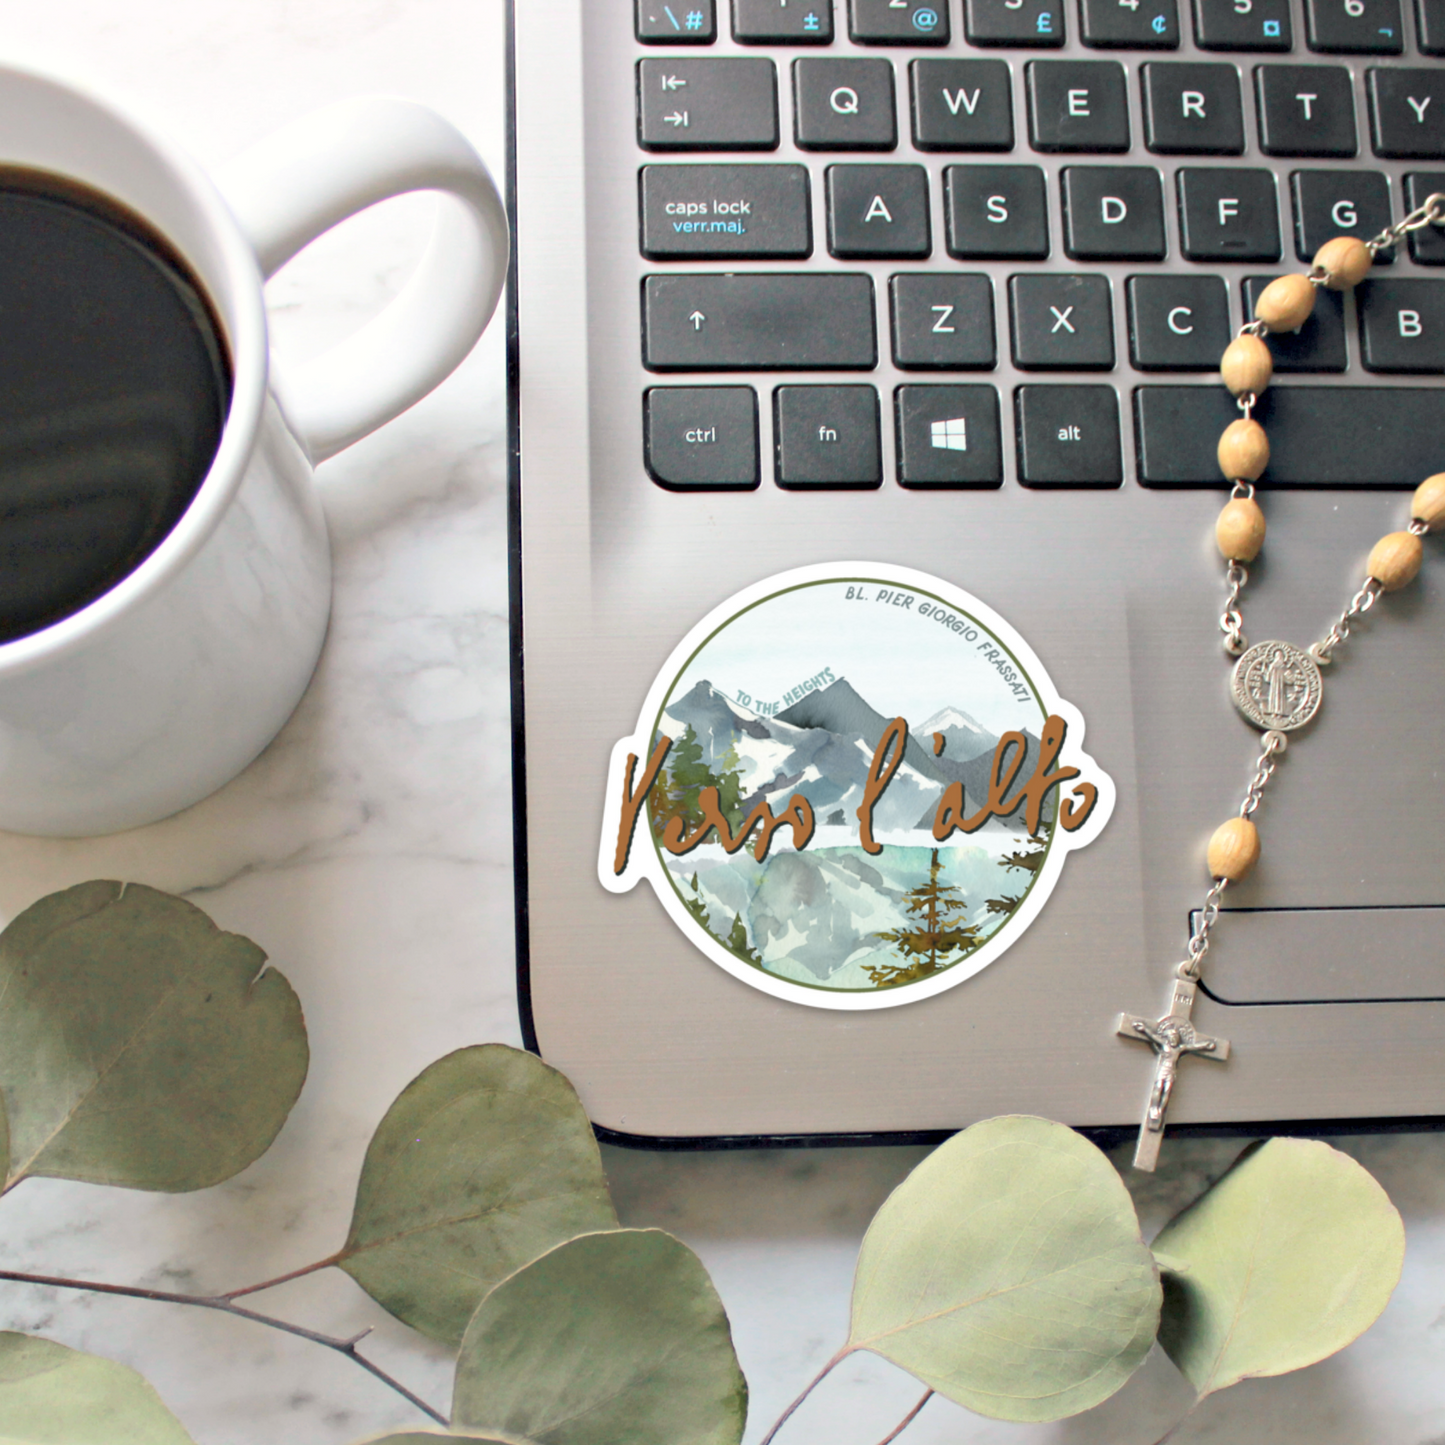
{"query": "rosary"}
[(1276, 685)]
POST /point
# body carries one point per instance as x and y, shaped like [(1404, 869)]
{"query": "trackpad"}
[(1327, 955)]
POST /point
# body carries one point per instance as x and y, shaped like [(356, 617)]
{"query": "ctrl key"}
[(702, 438), (1069, 436)]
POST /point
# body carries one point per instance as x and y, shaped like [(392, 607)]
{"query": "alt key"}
[(1069, 436), (702, 438)]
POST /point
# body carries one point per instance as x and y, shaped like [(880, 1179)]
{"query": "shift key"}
[(817, 321), (757, 212)]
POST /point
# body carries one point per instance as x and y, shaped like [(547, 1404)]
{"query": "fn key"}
[(702, 437)]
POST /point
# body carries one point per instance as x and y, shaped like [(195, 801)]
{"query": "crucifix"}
[(1171, 1037)]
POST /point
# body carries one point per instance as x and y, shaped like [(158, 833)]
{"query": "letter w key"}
[(962, 103)]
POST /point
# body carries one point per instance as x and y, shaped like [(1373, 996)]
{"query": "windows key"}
[(948, 436), (1068, 436)]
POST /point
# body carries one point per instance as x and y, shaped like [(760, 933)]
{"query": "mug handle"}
[(293, 186)]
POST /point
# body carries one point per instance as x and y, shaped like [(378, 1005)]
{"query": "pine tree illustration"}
[(940, 939), (737, 943), (1030, 860)]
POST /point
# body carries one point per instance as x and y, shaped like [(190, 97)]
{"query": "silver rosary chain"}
[(1273, 743), (1360, 603), (1430, 212)]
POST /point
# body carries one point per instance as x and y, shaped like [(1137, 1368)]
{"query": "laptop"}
[(865, 404)]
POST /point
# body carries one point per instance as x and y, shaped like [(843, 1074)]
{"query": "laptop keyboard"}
[(757, 152)]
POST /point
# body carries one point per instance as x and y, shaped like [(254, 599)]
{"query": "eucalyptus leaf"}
[(51, 1395), (1008, 1273), (422, 1437), (485, 1161), (610, 1337), (139, 1045), (1292, 1255)]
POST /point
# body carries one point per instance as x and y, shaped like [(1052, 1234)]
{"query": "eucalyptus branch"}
[(225, 1305), (235, 1294), (908, 1419), (808, 1390)]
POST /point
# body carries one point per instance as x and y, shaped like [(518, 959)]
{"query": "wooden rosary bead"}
[(1246, 365), (1428, 505), (1240, 530), (1233, 850), (1345, 261), (1395, 561), (1243, 451), (1286, 303)]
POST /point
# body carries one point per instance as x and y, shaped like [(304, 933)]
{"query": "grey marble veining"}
[(368, 851)]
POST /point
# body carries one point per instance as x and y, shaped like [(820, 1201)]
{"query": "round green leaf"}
[(1292, 1255), (1007, 1272), (50, 1395), (484, 1162), (610, 1337), (140, 1045)]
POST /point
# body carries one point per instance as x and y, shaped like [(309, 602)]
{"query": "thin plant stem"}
[(320, 1264), (908, 1419), (808, 1390), (224, 1305), (1174, 1429)]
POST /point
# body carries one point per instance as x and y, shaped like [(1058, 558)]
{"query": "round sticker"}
[(852, 786)]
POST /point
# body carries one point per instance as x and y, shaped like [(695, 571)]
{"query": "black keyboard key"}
[(783, 22), (1113, 213), (1430, 26), (948, 436), (1402, 323), (757, 212), (701, 438), (827, 436), (1228, 215), (1318, 436), (1305, 110), (674, 24), (1338, 203), (1242, 25), (1427, 245), (1178, 323), (1319, 345), (727, 105), (771, 322), (998, 22), (942, 322), (898, 22), (962, 105), (879, 211), (1192, 109), (1130, 24), (1355, 27), (1061, 322), (1068, 436), (844, 105), (996, 213), (1077, 105), (1407, 113)]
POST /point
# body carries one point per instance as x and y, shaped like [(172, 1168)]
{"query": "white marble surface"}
[(368, 852)]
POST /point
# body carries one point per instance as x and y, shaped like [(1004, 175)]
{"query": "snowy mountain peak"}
[(948, 719)]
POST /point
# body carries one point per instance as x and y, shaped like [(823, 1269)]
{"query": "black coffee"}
[(114, 386)]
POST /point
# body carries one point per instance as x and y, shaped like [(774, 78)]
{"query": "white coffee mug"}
[(168, 685)]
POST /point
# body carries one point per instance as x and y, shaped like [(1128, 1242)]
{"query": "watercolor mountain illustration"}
[(832, 915)]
